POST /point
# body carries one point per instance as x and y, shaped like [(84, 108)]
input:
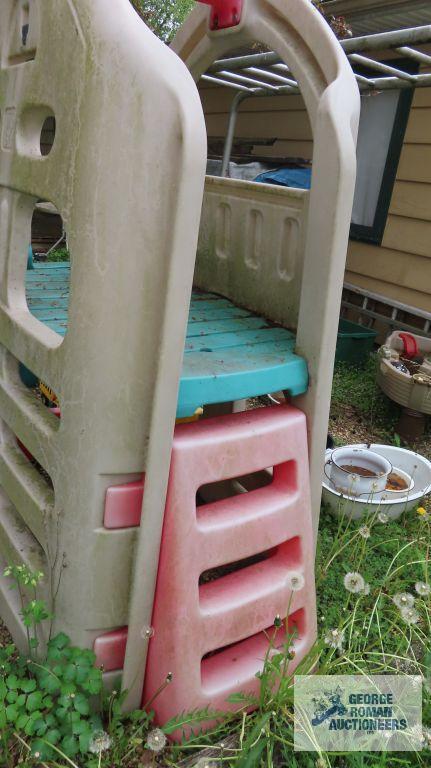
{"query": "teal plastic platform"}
[(230, 353)]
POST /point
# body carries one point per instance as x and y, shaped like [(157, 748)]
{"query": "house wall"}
[(400, 268)]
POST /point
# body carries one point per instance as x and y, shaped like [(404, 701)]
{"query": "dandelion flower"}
[(403, 600), (295, 581), (99, 742), (423, 514), (147, 633), (354, 582), (422, 588), (426, 738), (335, 639), (156, 740), (364, 531), (383, 517), (409, 615)]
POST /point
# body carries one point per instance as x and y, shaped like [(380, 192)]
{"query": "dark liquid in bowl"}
[(396, 483), (362, 471)]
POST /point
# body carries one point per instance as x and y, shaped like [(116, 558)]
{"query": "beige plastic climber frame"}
[(120, 99), (282, 252), (277, 251), (126, 172)]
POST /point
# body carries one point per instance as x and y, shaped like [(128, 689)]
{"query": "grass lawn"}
[(371, 629)]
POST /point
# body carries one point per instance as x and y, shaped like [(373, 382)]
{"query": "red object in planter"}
[(410, 345), (224, 13)]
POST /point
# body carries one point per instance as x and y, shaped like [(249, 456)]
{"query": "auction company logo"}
[(358, 712)]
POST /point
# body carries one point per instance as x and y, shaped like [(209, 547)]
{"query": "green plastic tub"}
[(354, 343)]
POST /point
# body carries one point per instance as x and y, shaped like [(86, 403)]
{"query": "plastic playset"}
[(170, 547)]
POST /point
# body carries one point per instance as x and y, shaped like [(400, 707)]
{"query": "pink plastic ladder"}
[(209, 627)]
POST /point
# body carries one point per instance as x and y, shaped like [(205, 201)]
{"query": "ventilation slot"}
[(247, 495), (213, 574), (237, 664), (234, 585), (225, 489)]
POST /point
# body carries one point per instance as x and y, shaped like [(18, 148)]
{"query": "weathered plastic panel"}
[(120, 98), (302, 38), (304, 41), (251, 245)]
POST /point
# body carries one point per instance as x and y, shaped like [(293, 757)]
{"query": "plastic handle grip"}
[(224, 13), (410, 344)]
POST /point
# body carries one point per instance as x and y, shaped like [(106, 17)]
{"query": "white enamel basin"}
[(415, 465)]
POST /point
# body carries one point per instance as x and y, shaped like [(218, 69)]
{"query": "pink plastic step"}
[(123, 505), (110, 649), (209, 626)]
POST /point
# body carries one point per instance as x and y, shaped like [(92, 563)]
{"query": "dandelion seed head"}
[(403, 600), (383, 517), (295, 581), (364, 531), (354, 582), (99, 742), (426, 738), (422, 588), (409, 615), (366, 590), (335, 639), (156, 740)]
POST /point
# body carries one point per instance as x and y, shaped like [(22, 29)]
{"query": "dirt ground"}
[(349, 426)]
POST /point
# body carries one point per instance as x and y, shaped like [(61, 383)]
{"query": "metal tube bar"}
[(411, 36), (378, 66), (233, 113), (246, 80), (226, 83), (281, 67), (423, 58), (271, 76), (239, 62), (389, 83), (395, 39), (364, 80)]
